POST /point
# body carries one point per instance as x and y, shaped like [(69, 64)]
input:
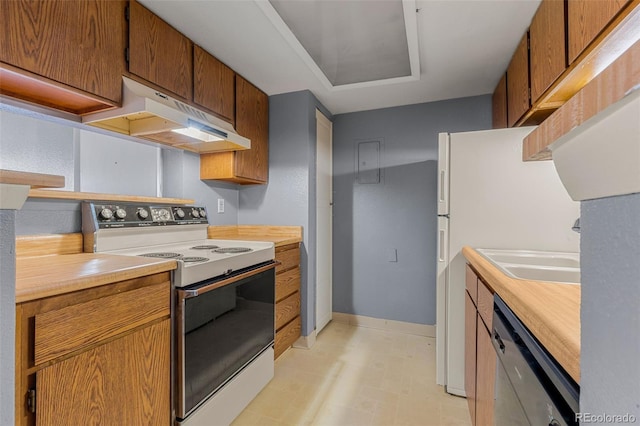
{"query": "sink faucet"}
[(576, 226)]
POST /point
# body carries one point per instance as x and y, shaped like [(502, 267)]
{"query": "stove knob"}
[(143, 214), (106, 213), (121, 213), (180, 213), (195, 213), (203, 213)]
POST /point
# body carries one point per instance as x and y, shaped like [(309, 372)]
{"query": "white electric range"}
[(223, 302)]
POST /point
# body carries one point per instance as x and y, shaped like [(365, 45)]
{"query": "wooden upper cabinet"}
[(499, 104), (518, 101), (586, 19), (159, 53), (214, 85), (76, 43), (250, 166), (252, 121), (547, 46)]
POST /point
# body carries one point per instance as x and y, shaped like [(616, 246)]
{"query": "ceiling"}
[(464, 47)]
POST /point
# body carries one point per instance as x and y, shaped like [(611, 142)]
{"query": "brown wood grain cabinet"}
[(470, 353), (96, 356), (288, 321), (252, 121), (159, 53), (480, 356), (214, 85), (547, 46), (499, 104), (49, 48), (586, 19), (518, 99)]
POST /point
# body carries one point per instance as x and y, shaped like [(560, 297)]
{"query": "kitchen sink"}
[(548, 266)]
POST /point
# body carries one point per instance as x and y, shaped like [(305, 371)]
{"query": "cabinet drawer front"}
[(485, 304), (287, 283), (471, 282), (286, 336), (288, 259), (65, 330), (288, 309)]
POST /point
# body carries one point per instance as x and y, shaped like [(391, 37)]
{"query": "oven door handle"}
[(188, 294)]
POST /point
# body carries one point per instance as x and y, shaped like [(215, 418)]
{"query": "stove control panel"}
[(124, 215)]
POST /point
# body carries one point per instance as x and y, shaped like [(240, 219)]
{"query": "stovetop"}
[(168, 232), (199, 260)]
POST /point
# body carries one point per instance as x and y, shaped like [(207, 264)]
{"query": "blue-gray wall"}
[(372, 222), (610, 309), (289, 198), (7, 315)]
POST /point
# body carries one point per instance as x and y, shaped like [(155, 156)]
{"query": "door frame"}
[(321, 322)]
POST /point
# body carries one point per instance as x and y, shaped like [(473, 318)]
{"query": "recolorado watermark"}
[(605, 418)]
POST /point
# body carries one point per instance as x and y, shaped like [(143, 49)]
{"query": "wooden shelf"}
[(93, 196), (34, 180)]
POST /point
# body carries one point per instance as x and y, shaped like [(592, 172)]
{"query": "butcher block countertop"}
[(279, 235), (44, 276), (551, 311)]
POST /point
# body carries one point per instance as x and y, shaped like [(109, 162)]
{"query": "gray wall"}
[(35, 145), (610, 309), (372, 222), (7, 315), (181, 179), (289, 198), (94, 162)]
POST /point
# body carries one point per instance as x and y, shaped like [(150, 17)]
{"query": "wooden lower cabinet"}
[(102, 361), (288, 322), (480, 356)]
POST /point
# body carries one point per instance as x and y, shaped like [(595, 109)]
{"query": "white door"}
[(324, 213)]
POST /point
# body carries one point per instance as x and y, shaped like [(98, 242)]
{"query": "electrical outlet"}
[(220, 205)]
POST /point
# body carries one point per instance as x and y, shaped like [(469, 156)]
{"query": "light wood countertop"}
[(551, 311), (44, 276), (279, 235)]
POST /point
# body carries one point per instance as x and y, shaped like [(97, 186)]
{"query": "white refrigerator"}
[(489, 198)]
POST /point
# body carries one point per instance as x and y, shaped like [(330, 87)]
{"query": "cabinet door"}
[(214, 85), (79, 43), (486, 376), (518, 82), (158, 53), (499, 104), (252, 121), (470, 322), (123, 382), (547, 42), (586, 18)]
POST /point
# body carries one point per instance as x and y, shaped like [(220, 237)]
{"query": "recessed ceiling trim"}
[(411, 28)]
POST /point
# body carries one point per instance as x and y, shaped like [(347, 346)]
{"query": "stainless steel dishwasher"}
[(531, 387)]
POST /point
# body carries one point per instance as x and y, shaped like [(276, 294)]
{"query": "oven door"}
[(221, 326)]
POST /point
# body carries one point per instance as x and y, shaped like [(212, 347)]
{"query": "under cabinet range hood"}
[(149, 114)]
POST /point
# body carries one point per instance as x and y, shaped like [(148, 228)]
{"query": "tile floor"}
[(357, 376)]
